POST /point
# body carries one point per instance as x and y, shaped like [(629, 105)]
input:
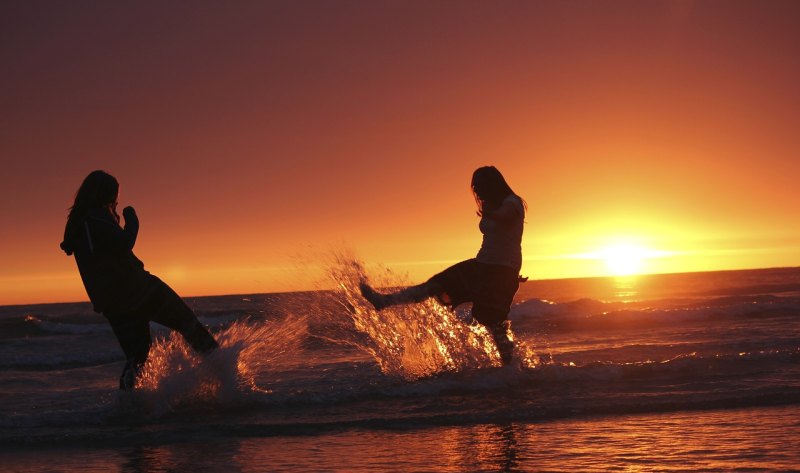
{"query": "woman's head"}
[(99, 189), (489, 186)]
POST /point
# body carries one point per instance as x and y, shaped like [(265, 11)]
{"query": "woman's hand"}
[(130, 215)]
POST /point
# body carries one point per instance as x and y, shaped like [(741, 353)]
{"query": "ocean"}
[(678, 372)]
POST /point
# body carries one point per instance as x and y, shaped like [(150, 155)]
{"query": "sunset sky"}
[(257, 139)]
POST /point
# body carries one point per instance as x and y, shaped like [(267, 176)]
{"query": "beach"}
[(680, 372)]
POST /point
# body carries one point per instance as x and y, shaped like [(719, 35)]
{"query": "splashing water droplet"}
[(413, 341), (248, 353)]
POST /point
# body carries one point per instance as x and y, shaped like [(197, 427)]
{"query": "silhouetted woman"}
[(115, 279), (489, 280)]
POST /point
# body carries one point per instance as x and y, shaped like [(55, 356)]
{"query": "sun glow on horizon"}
[(624, 259), (598, 256)]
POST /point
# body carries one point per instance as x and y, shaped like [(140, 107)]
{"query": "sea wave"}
[(485, 395), (49, 360), (325, 361), (341, 383), (585, 314), (29, 325)]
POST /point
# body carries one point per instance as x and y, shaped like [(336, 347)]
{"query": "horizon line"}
[(244, 294)]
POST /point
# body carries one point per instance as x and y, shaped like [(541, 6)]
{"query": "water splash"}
[(413, 341), (249, 353)]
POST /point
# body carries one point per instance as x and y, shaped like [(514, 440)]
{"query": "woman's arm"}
[(108, 236), (131, 229)]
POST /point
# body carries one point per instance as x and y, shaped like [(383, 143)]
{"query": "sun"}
[(624, 259)]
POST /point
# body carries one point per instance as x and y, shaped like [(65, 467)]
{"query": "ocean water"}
[(684, 372)]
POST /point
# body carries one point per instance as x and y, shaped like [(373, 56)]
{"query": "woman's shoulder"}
[(101, 216), (516, 202), (97, 214)]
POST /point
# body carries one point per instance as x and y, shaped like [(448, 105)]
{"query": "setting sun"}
[(620, 256), (623, 260)]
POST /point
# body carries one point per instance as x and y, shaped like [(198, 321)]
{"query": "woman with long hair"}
[(489, 280), (115, 279)]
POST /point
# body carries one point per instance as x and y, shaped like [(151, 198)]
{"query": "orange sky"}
[(256, 139)]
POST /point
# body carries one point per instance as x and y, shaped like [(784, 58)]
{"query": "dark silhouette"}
[(489, 280), (115, 279)]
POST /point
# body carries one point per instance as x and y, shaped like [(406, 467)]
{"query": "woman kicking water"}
[(115, 279), (489, 280)]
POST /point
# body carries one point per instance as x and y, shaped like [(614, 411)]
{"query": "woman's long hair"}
[(98, 190), (490, 189)]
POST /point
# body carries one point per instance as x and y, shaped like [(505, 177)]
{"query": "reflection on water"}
[(625, 287), (711, 440), (615, 288), (724, 440), (182, 457), (488, 448)]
